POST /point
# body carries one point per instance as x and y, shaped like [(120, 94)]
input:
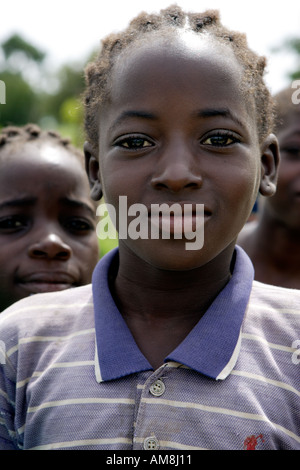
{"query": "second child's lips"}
[(41, 287), (46, 282)]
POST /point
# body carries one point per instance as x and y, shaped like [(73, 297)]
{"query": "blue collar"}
[(211, 348)]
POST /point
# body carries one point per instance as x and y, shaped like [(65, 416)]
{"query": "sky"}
[(68, 30)]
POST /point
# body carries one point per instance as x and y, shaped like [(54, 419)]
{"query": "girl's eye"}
[(134, 143), (220, 140), (78, 225), (12, 224)]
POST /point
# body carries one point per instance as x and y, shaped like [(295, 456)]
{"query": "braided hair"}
[(14, 136)]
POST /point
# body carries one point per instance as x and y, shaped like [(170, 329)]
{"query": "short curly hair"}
[(98, 73)]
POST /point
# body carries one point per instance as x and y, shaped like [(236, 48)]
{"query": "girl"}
[(170, 348)]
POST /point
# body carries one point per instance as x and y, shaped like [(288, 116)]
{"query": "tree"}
[(16, 44)]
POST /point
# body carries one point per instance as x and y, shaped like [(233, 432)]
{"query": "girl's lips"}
[(181, 223)]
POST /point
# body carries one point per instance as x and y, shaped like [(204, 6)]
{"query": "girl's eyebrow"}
[(132, 114), (223, 112), (203, 113)]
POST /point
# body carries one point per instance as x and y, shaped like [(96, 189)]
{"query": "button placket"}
[(144, 432)]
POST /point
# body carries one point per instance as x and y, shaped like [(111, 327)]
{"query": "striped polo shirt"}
[(72, 376)]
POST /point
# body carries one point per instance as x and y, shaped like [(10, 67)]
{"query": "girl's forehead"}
[(181, 47), (189, 66), (176, 60)]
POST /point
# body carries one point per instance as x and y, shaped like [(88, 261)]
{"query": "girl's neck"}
[(143, 290)]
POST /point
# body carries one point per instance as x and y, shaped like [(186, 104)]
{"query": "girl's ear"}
[(92, 169), (269, 165)]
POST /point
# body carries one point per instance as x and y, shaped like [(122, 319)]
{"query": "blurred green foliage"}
[(51, 100), (17, 43), (21, 103)]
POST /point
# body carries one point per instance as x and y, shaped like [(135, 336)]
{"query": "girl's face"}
[(285, 204), (47, 222), (178, 130)]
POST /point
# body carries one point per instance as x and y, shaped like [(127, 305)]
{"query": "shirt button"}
[(151, 443), (157, 388)]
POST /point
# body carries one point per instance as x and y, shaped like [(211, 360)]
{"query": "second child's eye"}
[(220, 140), (134, 143), (78, 225), (13, 224)]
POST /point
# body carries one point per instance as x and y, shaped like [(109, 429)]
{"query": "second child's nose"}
[(51, 246)]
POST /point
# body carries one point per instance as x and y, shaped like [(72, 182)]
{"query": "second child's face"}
[(47, 223), (177, 130)]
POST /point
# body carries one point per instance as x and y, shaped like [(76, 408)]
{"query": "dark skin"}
[(273, 242), (161, 142)]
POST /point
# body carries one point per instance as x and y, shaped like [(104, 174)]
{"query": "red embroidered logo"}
[(251, 442)]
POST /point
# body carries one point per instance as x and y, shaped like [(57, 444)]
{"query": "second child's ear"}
[(92, 169), (269, 165)]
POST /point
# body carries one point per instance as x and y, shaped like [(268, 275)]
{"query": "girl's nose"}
[(50, 247), (176, 171)]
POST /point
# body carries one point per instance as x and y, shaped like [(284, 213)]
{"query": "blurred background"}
[(44, 47)]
